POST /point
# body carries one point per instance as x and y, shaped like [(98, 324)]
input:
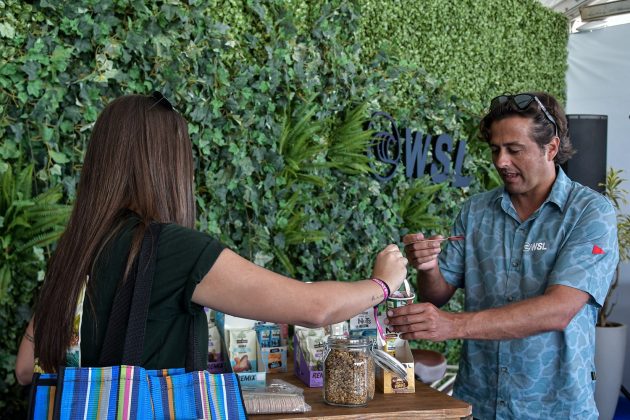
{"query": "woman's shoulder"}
[(172, 232), (183, 241)]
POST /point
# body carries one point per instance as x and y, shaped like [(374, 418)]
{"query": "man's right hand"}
[(421, 253)]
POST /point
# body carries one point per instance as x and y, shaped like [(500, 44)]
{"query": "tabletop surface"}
[(425, 403)]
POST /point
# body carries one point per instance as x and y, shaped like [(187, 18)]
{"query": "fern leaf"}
[(297, 144), (8, 190), (5, 280), (42, 240), (349, 142), (414, 206), (284, 260), (24, 181), (304, 237)]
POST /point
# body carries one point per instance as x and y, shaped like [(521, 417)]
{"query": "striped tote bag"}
[(132, 392)]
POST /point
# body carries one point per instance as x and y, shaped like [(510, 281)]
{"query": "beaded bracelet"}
[(384, 286)]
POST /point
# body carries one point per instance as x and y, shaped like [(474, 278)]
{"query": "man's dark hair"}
[(543, 130)]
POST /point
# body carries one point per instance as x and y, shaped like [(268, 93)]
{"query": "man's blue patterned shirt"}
[(570, 240)]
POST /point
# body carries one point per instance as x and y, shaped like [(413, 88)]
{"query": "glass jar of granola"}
[(348, 371)]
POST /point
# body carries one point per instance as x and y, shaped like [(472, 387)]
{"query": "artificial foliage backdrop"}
[(277, 95)]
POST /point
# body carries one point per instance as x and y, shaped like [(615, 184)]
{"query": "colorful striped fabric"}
[(43, 391), (131, 392)]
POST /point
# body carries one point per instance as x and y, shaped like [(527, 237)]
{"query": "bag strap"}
[(127, 321), (117, 324), (194, 359), (136, 329)]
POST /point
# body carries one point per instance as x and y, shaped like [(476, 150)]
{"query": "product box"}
[(363, 324), (268, 358), (388, 382), (242, 349), (252, 380), (312, 378), (219, 367), (217, 359), (272, 348), (217, 353), (272, 359)]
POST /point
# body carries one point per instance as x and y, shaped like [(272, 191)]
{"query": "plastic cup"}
[(398, 299)]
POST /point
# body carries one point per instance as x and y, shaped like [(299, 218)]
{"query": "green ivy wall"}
[(276, 94), (480, 48)]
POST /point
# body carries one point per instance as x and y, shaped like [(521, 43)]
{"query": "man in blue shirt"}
[(536, 261)]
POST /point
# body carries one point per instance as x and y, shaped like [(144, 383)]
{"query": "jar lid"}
[(343, 341), (389, 362)]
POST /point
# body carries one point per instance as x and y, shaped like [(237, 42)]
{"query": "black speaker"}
[(588, 135)]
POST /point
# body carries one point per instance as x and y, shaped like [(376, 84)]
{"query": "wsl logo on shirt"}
[(535, 246)]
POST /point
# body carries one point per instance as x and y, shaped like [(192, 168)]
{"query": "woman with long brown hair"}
[(138, 169)]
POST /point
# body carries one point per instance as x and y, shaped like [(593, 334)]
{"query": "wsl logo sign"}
[(387, 153)]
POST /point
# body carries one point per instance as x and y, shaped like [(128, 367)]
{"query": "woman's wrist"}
[(384, 287)]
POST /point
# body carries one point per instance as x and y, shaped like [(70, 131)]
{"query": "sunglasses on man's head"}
[(161, 100), (522, 101)]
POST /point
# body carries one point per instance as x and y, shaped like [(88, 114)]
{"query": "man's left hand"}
[(423, 321)]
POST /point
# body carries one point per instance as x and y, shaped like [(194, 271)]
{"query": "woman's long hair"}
[(139, 158)]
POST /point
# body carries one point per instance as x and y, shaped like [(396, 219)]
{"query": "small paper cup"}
[(399, 299)]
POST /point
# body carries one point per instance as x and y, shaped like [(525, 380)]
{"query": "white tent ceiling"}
[(571, 8), (591, 14)]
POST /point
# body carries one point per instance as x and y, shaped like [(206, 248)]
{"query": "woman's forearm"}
[(25, 361)]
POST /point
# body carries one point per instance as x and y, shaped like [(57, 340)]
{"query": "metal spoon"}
[(448, 238)]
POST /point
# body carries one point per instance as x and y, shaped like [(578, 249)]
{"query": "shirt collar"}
[(560, 190)]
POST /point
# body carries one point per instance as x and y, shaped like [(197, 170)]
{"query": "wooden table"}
[(425, 403)]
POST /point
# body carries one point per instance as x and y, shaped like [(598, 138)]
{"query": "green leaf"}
[(7, 30), (58, 157), (55, 170), (5, 281), (60, 57), (349, 141), (9, 150), (47, 133), (34, 88)]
